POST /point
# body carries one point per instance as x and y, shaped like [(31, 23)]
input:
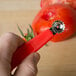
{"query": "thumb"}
[(29, 66)]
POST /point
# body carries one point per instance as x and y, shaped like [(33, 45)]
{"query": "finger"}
[(29, 66), (8, 44)]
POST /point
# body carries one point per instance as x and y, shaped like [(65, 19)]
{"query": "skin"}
[(9, 42), (56, 12), (50, 2)]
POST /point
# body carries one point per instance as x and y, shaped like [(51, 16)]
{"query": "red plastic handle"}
[(31, 46)]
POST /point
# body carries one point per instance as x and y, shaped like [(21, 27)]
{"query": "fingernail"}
[(36, 58)]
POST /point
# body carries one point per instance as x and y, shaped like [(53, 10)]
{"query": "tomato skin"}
[(50, 14), (45, 3)]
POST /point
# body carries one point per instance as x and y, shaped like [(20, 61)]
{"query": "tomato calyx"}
[(29, 35), (57, 27)]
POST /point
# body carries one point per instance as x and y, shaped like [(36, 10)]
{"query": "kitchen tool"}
[(36, 43)]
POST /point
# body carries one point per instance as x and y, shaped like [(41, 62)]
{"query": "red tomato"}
[(50, 2), (48, 15)]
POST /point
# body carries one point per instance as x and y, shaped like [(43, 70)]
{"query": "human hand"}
[(8, 45)]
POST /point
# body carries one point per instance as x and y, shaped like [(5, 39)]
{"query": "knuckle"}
[(9, 39), (9, 35)]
